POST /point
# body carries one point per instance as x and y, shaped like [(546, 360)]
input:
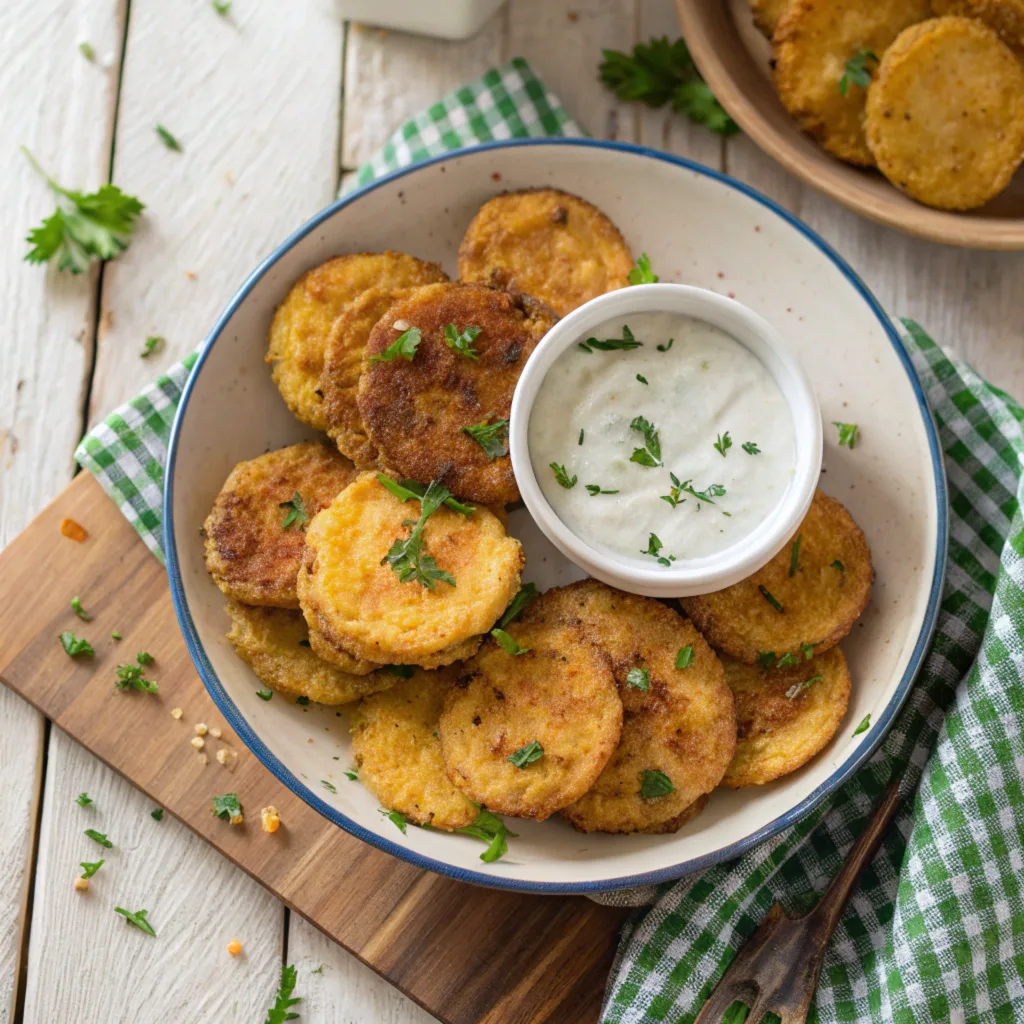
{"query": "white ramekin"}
[(700, 576)]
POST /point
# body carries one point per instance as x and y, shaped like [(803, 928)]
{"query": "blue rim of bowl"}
[(237, 721)]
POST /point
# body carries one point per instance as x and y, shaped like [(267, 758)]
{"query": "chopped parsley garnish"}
[(533, 751), (402, 671), (99, 837), (410, 490), (808, 651), (296, 514), (227, 808), (580, 441), (154, 343), (596, 489), (397, 818), (674, 491), (130, 677), (168, 139), (665, 348), (265, 694), (507, 644), (623, 344), (144, 658), (75, 645), (83, 799), (527, 592), (562, 475), (684, 657), (86, 226), (115, 635), (723, 444), (709, 492), (157, 814), (640, 377), (462, 341), (786, 660), (490, 829), (87, 50), (847, 433), (404, 346), (838, 565), (407, 559), (794, 556), (137, 918), (281, 1010), (222, 7), (302, 701), (857, 71), (329, 786), (492, 437), (639, 677), (750, 448), (654, 783), (865, 724), (642, 273), (650, 454), (654, 547), (766, 659), (89, 868), (351, 776), (76, 607), (769, 597), (797, 688)]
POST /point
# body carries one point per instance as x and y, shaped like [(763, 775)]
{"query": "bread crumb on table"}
[(271, 819), (198, 742), (201, 729), (176, 713)]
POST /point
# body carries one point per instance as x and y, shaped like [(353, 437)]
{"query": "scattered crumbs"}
[(732, 295), (721, 276), (176, 713), (198, 742), (496, 176), (215, 732), (226, 757), (203, 759), (228, 178), (190, 274), (115, 635), (72, 530), (81, 884), (310, 740), (234, 947), (201, 729), (270, 818), (573, 16)]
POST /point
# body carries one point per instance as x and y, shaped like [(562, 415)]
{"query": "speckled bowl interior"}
[(698, 228)]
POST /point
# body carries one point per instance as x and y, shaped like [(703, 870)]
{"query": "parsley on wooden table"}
[(642, 273), (168, 139), (89, 868), (154, 343), (75, 645), (157, 814), (137, 918), (228, 808), (281, 1010), (99, 837), (492, 437), (407, 559), (532, 751), (83, 799), (404, 347), (76, 607), (130, 677)]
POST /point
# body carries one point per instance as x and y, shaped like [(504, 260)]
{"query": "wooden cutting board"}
[(465, 953)]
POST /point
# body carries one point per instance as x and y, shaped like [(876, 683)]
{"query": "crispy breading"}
[(249, 553), (274, 642), (813, 41), (560, 693), (945, 114), (1005, 16), (820, 601), (546, 243), (767, 14), (303, 321), (397, 751), (416, 411), (784, 716), (678, 721), (675, 824), (357, 606)]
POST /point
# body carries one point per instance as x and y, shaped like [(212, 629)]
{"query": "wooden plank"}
[(466, 954)]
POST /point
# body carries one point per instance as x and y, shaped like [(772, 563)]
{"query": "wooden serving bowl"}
[(733, 57)]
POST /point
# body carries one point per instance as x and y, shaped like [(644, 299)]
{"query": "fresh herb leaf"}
[(787, 660), (329, 786), (766, 659), (99, 837), (562, 475), (650, 454), (808, 651), (698, 103), (296, 513), (83, 799), (794, 556), (507, 644), (351, 776), (144, 658), (797, 688), (838, 565), (865, 724), (857, 71), (533, 751), (130, 677), (303, 701), (750, 448), (154, 343), (684, 657), (527, 592), (624, 344), (157, 814), (168, 139), (397, 818), (137, 918), (265, 694), (640, 377), (665, 348), (769, 597), (86, 226), (87, 51), (410, 490), (596, 489), (281, 1010), (489, 828), (404, 346), (402, 671), (115, 635), (222, 7), (847, 433), (228, 808), (89, 868), (492, 437), (580, 441), (654, 547), (709, 492), (639, 677), (76, 607), (654, 783), (723, 444), (319, 970), (75, 645), (407, 559), (462, 341), (583, 345), (642, 273)]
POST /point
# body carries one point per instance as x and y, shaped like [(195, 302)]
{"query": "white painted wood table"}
[(273, 105)]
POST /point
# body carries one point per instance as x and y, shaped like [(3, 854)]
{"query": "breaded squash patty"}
[(250, 553), (679, 725), (274, 642), (303, 321), (687, 814), (782, 612), (417, 410), (813, 42), (527, 734), (546, 243), (945, 114), (1005, 16), (357, 606), (768, 14), (398, 754), (784, 716)]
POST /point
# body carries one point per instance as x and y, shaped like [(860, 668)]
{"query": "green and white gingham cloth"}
[(934, 930)]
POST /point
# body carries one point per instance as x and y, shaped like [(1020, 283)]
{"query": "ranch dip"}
[(680, 422)]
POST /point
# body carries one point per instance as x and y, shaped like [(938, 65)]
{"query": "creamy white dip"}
[(705, 395)]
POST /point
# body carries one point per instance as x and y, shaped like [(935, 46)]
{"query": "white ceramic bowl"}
[(746, 556), (699, 228)]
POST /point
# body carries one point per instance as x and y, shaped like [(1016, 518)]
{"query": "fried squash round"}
[(1005, 16), (814, 40), (356, 606), (678, 722), (417, 411), (675, 824), (945, 115), (396, 748), (784, 716), (819, 602), (250, 554), (768, 14), (274, 642), (546, 243), (303, 321), (560, 694)]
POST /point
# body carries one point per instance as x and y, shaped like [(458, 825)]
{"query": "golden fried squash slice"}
[(250, 553), (527, 734), (945, 114), (357, 606), (814, 40), (780, 612), (784, 716), (397, 752), (303, 321), (1005, 16), (679, 725), (274, 642), (474, 343), (546, 243), (768, 14)]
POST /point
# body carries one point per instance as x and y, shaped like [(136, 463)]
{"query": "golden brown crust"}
[(813, 41), (687, 814), (560, 693), (767, 14), (781, 721), (1005, 16), (355, 605), (415, 411), (820, 601), (945, 114), (250, 556), (274, 642), (303, 321), (396, 748), (546, 243), (683, 725)]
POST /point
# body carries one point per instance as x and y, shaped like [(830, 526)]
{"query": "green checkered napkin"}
[(935, 928)]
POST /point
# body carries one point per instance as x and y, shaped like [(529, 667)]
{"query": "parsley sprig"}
[(532, 751), (562, 475), (461, 342), (508, 644), (654, 547), (723, 444), (410, 490), (527, 592), (75, 645), (130, 677), (642, 273), (639, 677), (847, 434), (228, 808), (137, 918), (650, 454), (296, 514), (407, 558), (492, 437), (626, 343), (281, 1010), (168, 139), (858, 71), (596, 489), (490, 829), (655, 783), (404, 347)]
